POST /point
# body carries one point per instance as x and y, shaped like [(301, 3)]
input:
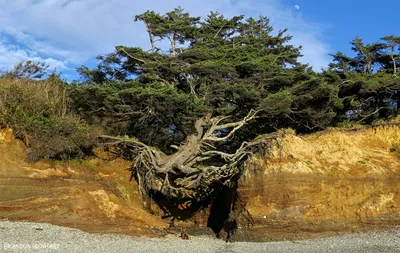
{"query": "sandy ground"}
[(39, 237)]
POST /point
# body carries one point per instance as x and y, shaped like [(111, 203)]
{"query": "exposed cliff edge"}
[(94, 195), (343, 177), (332, 177)]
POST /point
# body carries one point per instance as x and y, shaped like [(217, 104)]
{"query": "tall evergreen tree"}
[(342, 63), (153, 23), (367, 55), (391, 45), (193, 113)]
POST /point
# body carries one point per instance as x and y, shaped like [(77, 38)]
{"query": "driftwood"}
[(184, 234)]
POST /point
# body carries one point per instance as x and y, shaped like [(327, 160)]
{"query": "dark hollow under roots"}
[(226, 210), (222, 211)]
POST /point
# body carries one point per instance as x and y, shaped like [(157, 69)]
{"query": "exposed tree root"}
[(197, 171)]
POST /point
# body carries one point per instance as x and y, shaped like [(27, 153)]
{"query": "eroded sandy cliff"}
[(333, 177)]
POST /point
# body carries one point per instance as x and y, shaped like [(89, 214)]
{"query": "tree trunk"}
[(369, 68), (173, 44), (151, 38)]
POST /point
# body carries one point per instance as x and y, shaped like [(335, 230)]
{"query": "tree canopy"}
[(216, 65)]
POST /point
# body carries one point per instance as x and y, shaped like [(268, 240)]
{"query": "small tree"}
[(391, 45), (177, 26), (153, 23), (367, 55), (29, 70), (342, 62)]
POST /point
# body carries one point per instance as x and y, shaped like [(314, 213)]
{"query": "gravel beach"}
[(38, 237)]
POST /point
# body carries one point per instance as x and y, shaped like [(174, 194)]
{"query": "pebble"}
[(38, 237)]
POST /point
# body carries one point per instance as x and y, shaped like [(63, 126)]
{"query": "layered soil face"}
[(331, 181), (94, 195), (305, 186)]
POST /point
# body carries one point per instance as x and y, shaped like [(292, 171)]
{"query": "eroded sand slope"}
[(93, 195), (331, 181), (336, 176)]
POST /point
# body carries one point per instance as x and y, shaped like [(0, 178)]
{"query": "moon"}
[(297, 7)]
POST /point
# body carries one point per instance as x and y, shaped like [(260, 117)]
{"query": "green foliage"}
[(27, 70), (368, 83), (155, 112), (390, 59), (216, 66), (38, 112), (225, 66), (228, 66)]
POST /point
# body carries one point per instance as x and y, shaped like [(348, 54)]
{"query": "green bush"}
[(38, 112)]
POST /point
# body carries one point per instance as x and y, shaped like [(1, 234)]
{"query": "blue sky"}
[(67, 33), (345, 19)]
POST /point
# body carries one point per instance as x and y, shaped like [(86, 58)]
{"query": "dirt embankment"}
[(94, 195), (332, 181)]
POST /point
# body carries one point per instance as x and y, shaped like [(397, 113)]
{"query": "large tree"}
[(190, 116)]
